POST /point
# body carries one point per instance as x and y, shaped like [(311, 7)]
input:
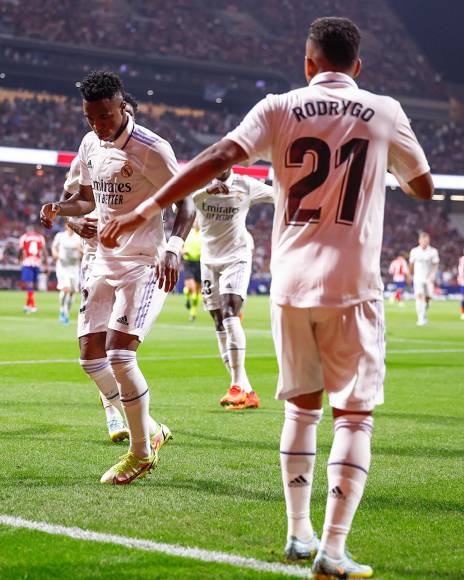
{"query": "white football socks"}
[(111, 412), (236, 348), (135, 398), (62, 299), (347, 471), (222, 344), (297, 460), (421, 308), (100, 372)]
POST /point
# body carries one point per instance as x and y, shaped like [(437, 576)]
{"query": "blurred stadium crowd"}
[(50, 121)]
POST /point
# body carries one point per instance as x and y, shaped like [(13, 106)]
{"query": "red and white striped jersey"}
[(32, 244), (398, 269), (461, 271)]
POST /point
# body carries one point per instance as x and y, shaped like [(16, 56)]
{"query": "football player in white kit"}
[(86, 228), (121, 164), (226, 261), (67, 252), (330, 144), (423, 265)]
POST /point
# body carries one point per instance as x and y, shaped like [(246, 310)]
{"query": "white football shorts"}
[(340, 350), (86, 267), (424, 287), (68, 277), (232, 278), (130, 304)]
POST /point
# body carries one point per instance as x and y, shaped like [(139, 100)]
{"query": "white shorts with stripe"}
[(130, 304), (340, 350), (67, 277), (231, 278)]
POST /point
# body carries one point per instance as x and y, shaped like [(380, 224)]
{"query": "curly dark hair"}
[(101, 84), (130, 99), (338, 38)]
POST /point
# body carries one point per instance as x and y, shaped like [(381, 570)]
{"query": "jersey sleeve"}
[(260, 192), (436, 257), (160, 164), (71, 185), (406, 158), (255, 132), (84, 173), (412, 256)]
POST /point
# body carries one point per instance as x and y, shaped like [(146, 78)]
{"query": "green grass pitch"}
[(218, 484)]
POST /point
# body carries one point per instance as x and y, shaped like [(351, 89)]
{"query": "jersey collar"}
[(333, 78), (122, 140), (229, 180)]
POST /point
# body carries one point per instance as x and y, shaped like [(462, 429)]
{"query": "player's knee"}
[(354, 422), (94, 367), (122, 361), (295, 413)]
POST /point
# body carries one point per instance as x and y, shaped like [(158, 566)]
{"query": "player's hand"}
[(118, 226), (167, 271), (84, 227), (217, 187), (48, 214)]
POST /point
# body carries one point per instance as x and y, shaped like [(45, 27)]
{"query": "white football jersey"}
[(461, 271), (69, 248), (124, 173), (222, 218), (71, 185), (423, 260), (330, 145)]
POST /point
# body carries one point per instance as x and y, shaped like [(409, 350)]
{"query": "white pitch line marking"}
[(150, 546)]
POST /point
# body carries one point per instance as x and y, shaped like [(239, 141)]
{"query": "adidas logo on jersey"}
[(337, 493), (123, 320), (299, 481)]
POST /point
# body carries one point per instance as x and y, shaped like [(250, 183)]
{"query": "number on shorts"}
[(353, 153), (206, 288)]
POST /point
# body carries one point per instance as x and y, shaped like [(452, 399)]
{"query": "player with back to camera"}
[(423, 265), (122, 164), (67, 253), (331, 144), (33, 258), (86, 227), (226, 261)]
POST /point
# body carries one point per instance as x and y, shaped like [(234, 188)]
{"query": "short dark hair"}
[(338, 38), (101, 84), (130, 99)]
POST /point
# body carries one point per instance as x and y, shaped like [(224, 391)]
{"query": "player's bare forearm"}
[(185, 217), (421, 187), (200, 171)]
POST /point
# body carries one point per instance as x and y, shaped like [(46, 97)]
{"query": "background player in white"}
[(423, 264), (86, 227), (461, 282), (121, 165), (399, 271), (67, 252), (330, 144), (226, 260)]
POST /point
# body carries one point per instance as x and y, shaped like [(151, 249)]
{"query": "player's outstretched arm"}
[(200, 171), (79, 204), (168, 266)]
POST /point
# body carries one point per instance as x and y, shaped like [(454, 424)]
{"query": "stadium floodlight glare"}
[(438, 197), (457, 197)]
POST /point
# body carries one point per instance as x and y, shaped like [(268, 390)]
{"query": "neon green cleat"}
[(117, 430), (327, 568), (161, 436), (130, 467)]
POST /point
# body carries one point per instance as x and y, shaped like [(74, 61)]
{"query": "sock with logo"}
[(347, 471), (236, 348), (99, 371), (297, 460), (135, 398), (420, 309), (222, 344)]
